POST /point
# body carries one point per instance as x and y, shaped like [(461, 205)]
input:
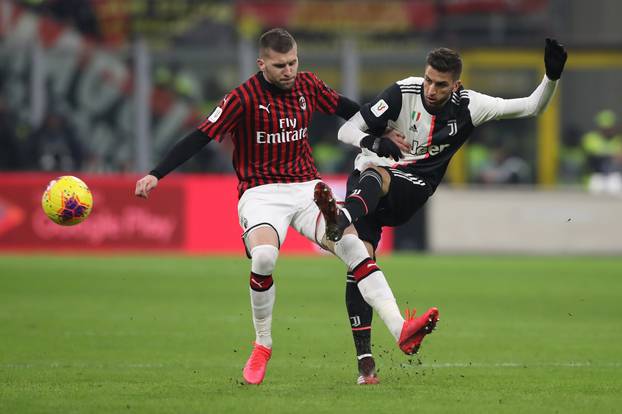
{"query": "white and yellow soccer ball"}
[(67, 200)]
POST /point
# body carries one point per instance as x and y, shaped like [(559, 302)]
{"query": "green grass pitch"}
[(171, 335)]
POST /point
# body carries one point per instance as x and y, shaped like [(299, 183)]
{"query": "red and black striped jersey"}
[(269, 128)]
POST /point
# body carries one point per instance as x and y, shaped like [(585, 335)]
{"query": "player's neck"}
[(433, 110), (266, 84)]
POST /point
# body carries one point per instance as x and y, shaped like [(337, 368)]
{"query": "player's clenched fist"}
[(555, 56), (145, 185)]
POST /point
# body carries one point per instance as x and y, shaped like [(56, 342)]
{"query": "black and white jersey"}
[(434, 137)]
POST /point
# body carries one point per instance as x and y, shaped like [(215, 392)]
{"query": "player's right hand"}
[(398, 138), (383, 146), (145, 185)]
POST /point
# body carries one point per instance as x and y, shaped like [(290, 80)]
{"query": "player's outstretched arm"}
[(145, 185), (485, 108), (180, 153)]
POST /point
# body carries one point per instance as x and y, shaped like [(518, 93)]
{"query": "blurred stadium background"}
[(102, 88)]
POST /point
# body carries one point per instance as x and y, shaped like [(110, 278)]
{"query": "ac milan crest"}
[(303, 103)]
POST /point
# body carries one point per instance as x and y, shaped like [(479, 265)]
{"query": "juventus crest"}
[(453, 127)]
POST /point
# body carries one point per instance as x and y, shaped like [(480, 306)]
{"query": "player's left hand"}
[(554, 59), (382, 146)]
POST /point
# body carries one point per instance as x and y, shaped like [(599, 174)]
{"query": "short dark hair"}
[(445, 60), (277, 39)]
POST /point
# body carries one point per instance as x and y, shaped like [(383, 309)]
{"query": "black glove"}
[(554, 59), (382, 146)]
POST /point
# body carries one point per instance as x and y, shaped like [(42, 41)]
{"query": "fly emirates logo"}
[(287, 133)]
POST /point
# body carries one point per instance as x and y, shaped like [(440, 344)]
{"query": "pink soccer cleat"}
[(415, 329), (255, 368)]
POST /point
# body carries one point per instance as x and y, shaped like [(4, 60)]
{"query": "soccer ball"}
[(67, 200)]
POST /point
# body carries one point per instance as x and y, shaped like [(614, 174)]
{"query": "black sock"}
[(360, 314), (365, 197)]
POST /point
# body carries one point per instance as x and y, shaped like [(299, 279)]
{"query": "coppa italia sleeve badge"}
[(215, 115), (379, 108)]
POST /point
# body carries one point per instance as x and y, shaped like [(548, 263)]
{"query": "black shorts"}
[(407, 194)]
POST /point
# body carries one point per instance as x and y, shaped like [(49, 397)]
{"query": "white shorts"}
[(280, 206)]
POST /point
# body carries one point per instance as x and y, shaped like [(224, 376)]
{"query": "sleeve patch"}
[(215, 115), (379, 108)]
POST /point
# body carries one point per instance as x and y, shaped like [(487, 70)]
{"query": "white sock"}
[(378, 295), (262, 304), (374, 288), (263, 261)]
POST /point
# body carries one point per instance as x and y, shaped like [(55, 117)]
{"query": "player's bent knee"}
[(383, 174), (263, 259)]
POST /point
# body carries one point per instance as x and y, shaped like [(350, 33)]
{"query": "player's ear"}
[(261, 64), (457, 85)]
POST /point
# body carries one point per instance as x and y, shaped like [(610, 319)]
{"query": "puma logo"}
[(260, 284), (265, 108)]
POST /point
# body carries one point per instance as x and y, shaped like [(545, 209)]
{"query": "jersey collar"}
[(447, 111), (270, 87)]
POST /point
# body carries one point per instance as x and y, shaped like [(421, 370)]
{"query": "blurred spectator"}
[(478, 159), (10, 156), (53, 146), (77, 13), (504, 167), (328, 157), (182, 82), (572, 157), (603, 147), (187, 87), (491, 159)]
